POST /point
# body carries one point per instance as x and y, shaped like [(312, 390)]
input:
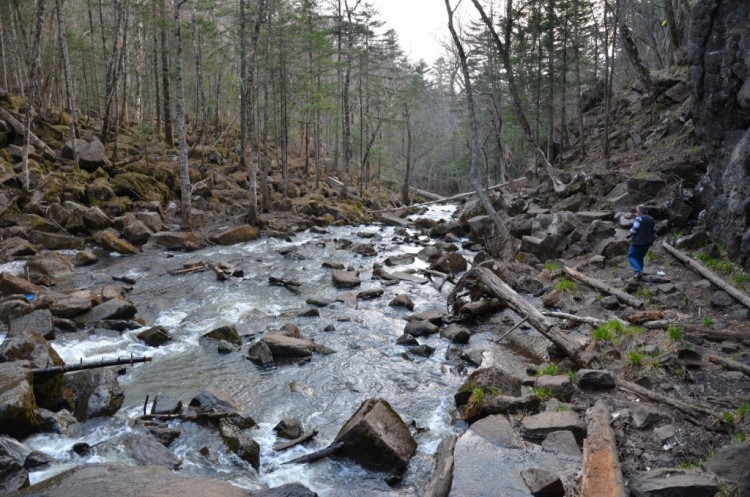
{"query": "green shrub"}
[(739, 437), (707, 321), (552, 266), (549, 369), (544, 393), (601, 334), (675, 333), (743, 409), (635, 358), (566, 286)]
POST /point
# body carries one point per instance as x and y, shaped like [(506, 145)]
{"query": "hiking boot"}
[(638, 276)]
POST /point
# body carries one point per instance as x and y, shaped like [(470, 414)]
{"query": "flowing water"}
[(323, 393)]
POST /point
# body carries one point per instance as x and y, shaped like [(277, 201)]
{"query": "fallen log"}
[(296, 441), (708, 274), (491, 284), (694, 412), (67, 368), (426, 194), (442, 477), (581, 319), (481, 308), (19, 128), (316, 456), (730, 364), (602, 475), (623, 297), (696, 328), (195, 267)]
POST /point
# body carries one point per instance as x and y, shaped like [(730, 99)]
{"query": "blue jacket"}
[(643, 231)]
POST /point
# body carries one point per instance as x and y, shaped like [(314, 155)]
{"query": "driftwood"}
[(602, 476), (488, 282), (316, 456), (581, 319), (426, 194), (195, 267), (296, 441), (66, 368), (623, 297), (700, 329), (740, 297), (442, 477), (694, 412), (18, 129)]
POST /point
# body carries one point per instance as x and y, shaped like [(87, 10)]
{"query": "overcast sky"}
[(420, 24)]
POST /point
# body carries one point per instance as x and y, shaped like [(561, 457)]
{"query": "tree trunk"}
[(405, 187), (166, 97), (33, 71), (602, 476), (185, 187), (94, 72), (284, 118), (551, 82), (113, 73), (635, 59), (3, 59), (577, 51), (140, 58), (505, 240), (157, 93), (68, 79), (623, 297)]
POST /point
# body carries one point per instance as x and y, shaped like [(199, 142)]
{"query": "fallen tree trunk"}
[(316, 456), (18, 129), (708, 274), (693, 412), (442, 477), (602, 476), (730, 364), (581, 319), (623, 297), (491, 284), (427, 195), (67, 368), (700, 329), (296, 441)]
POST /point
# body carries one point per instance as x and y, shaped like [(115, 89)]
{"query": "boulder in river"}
[(111, 309), (494, 379), (245, 447), (51, 265), (402, 301), (96, 392), (260, 353), (234, 234), (139, 449), (227, 333), (345, 279), (36, 349), (172, 240), (156, 336), (18, 409), (13, 285), (376, 436), (286, 346)]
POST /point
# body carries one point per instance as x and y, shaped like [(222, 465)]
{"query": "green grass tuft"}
[(675, 333), (566, 286), (549, 369)]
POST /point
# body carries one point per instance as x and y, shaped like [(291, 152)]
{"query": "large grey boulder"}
[(227, 333), (215, 401), (139, 449), (50, 265), (286, 346), (488, 379), (418, 328), (540, 425), (260, 353), (731, 463), (96, 393), (234, 234), (156, 336), (111, 309), (32, 347), (172, 240), (39, 321), (96, 219), (376, 436), (71, 306), (345, 279), (13, 285), (92, 156), (13, 475)]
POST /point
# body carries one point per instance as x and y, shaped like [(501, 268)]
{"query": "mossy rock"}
[(13, 102), (34, 222), (167, 173), (9, 216), (139, 186), (52, 188), (18, 409)]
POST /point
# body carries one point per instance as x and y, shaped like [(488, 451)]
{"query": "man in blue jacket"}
[(642, 236)]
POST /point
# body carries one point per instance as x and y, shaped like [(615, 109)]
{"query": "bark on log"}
[(730, 364), (18, 129), (693, 412), (296, 441), (493, 285), (623, 297), (66, 368), (442, 478), (316, 456), (602, 476), (708, 274), (427, 195), (581, 319), (481, 307), (700, 329)]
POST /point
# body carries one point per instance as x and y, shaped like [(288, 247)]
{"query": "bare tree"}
[(34, 61), (166, 97), (185, 186), (405, 187), (68, 80)]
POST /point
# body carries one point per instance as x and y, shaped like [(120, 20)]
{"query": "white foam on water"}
[(170, 319)]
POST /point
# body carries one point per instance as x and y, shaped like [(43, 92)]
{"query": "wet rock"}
[(32, 347), (215, 401), (85, 258), (227, 333), (155, 336), (13, 476), (246, 448), (172, 240), (36, 460), (234, 235), (13, 285), (289, 428), (164, 434), (345, 279), (562, 444), (376, 436), (455, 333), (139, 449), (96, 393), (450, 263), (16, 247), (52, 265), (70, 307), (542, 484), (96, 219), (18, 409), (333, 265), (135, 230), (319, 302), (595, 379), (40, 322), (422, 350), (130, 481), (402, 301), (673, 482), (285, 346), (164, 404), (507, 404), (434, 317), (540, 425), (397, 260), (370, 294), (731, 463), (488, 379), (364, 249), (260, 353), (418, 328), (111, 309), (406, 339), (430, 253), (111, 240)]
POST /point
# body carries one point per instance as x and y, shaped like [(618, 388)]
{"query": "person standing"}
[(641, 236)]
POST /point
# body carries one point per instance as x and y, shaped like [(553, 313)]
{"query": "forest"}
[(324, 83)]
